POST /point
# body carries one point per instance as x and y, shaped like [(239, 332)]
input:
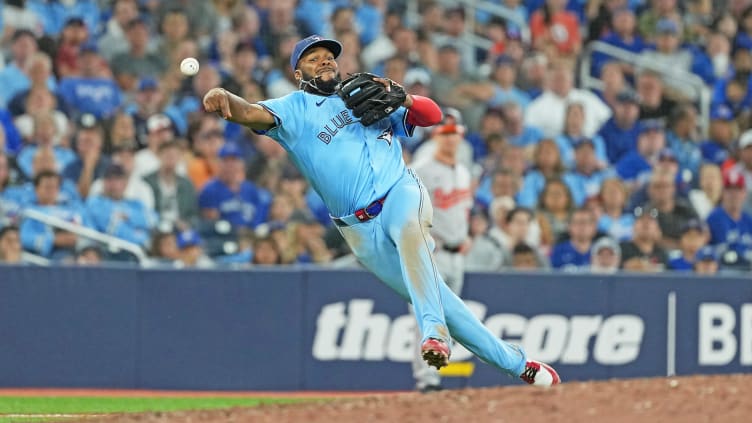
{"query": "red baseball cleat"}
[(435, 352), (540, 374)]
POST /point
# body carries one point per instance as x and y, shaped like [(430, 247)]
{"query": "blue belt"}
[(363, 215)]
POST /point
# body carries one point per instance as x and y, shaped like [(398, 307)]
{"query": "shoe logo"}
[(319, 103)]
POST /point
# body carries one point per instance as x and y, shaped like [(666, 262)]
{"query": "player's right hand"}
[(218, 100)]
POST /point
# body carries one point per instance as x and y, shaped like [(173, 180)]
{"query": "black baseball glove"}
[(370, 100)]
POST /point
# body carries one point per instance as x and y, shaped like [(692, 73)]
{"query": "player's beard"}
[(316, 85)]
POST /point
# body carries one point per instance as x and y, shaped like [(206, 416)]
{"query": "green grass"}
[(103, 405)]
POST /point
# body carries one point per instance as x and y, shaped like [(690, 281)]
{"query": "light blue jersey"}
[(326, 142)]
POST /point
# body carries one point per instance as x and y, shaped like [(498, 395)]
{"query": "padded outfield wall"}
[(343, 330)]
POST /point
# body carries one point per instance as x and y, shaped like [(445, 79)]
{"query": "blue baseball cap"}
[(188, 238), (694, 225), (722, 112), (667, 26), (147, 83), (651, 125), (313, 41), (505, 59), (706, 253), (231, 149)]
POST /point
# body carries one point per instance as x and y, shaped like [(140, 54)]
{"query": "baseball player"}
[(448, 183), (379, 205)]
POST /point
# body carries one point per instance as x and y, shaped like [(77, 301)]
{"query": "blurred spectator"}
[(45, 136), (54, 15), (91, 89), (164, 246), (40, 100), (622, 33), (44, 160), (452, 120), (573, 135), (116, 215), (614, 82), (614, 221), (485, 252), (644, 253), (265, 252), (706, 261), (122, 130), (206, 139), (574, 253), (123, 154), (90, 162), (721, 135), (710, 187), (655, 12), (89, 255), (159, 131), (453, 35), (13, 77), (501, 183), (556, 30), (10, 245), (512, 230), (673, 211), (548, 110), (679, 61), (517, 131), (730, 226), (694, 236), (73, 35), (16, 16), (41, 238), (173, 29), (744, 164), (491, 124), (147, 101), (682, 137), (230, 196), (137, 61), (635, 167), (524, 258), (41, 78), (605, 256), (554, 211), (113, 41), (547, 165), (621, 130), (191, 250), (444, 82), (585, 179), (532, 75), (175, 198), (650, 91)]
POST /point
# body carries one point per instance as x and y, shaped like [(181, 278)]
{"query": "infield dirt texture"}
[(718, 398)]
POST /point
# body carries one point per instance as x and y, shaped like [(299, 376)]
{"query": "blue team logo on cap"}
[(313, 41)]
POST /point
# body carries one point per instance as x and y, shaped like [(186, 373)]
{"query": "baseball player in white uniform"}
[(449, 184)]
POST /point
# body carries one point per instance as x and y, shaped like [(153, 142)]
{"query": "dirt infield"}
[(726, 398)]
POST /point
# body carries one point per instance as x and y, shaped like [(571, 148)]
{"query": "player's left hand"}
[(371, 97)]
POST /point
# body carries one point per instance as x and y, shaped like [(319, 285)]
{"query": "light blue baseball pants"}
[(397, 247)]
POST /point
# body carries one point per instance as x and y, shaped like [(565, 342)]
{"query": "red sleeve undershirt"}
[(423, 112)]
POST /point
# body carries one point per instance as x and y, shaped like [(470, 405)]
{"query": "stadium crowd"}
[(100, 129)]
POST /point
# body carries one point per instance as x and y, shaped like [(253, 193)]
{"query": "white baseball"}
[(189, 66)]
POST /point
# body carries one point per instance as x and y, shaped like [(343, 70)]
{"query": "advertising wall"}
[(343, 330)]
